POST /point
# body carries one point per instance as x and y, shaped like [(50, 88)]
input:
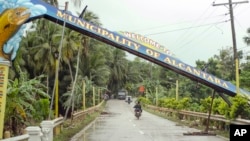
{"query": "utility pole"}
[(236, 59)]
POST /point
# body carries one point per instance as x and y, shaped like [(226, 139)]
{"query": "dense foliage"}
[(239, 109)]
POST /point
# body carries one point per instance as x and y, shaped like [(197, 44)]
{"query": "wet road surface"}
[(120, 124)]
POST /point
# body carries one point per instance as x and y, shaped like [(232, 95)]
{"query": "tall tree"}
[(118, 68), (40, 48), (71, 43), (226, 65), (247, 38), (245, 66)]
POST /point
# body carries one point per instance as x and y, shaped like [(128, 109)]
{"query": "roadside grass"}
[(224, 134), (72, 128)]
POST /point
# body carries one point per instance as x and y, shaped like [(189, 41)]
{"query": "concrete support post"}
[(34, 133), (47, 129)]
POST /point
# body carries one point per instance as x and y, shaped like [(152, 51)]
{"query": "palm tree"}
[(92, 18), (94, 66), (70, 44), (39, 49), (117, 66), (86, 59), (78, 94), (71, 98)]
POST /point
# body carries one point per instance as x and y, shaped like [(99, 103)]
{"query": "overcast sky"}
[(191, 29)]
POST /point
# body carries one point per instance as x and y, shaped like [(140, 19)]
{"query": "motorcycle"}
[(129, 101), (137, 113)]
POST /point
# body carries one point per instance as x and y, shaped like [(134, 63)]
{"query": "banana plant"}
[(21, 96)]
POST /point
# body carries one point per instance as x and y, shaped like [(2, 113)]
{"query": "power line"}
[(174, 24), (186, 28), (200, 36), (188, 34), (201, 33)]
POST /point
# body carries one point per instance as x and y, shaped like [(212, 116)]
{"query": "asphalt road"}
[(120, 124)]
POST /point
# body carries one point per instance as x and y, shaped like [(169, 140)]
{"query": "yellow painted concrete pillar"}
[(4, 71)]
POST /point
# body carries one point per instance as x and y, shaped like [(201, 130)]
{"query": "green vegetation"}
[(240, 106), (27, 103)]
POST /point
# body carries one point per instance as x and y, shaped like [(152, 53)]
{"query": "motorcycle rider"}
[(129, 100), (138, 106)]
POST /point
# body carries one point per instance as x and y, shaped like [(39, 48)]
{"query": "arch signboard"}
[(123, 42)]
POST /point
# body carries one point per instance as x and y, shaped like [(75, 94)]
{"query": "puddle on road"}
[(98, 123)]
